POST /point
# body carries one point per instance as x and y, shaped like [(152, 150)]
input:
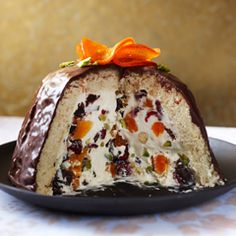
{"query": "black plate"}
[(130, 200)]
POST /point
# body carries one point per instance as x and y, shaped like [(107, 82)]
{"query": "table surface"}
[(216, 217)]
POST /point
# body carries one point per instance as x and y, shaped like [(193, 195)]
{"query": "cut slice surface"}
[(132, 128)]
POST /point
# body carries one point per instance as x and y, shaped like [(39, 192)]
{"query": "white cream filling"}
[(99, 175)]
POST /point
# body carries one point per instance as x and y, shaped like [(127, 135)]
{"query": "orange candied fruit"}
[(78, 157), (113, 169), (160, 163), (130, 123), (148, 103), (158, 128), (82, 128)]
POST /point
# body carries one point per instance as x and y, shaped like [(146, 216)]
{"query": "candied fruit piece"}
[(130, 123), (160, 164), (148, 103), (119, 140), (80, 157), (112, 169), (83, 127), (167, 144), (143, 137), (158, 128)]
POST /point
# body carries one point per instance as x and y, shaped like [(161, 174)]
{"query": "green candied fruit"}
[(167, 144), (184, 159), (109, 156), (88, 164), (87, 141), (106, 126), (102, 144), (149, 169), (163, 68), (145, 152), (84, 62), (66, 64), (102, 117), (132, 155), (122, 122)]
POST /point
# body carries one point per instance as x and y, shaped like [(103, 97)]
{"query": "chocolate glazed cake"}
[(99, 125)]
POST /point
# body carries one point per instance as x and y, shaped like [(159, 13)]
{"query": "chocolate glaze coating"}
[(37, 122)]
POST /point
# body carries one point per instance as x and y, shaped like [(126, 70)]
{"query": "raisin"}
[(119, 104), (56, 187), (170, 132), (125, 155), (91, 99), (141, 93), (92, 145), (135, 111), (159, 107), (85, 183), (76, 146), (96, 137), (183, 174), (137, 160), (123, 168), (72, 129), (80, 112), (68, 175)]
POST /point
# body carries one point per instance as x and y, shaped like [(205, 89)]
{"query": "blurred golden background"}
[(197, 39)]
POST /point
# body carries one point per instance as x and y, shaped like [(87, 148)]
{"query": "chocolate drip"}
[(37, 122)]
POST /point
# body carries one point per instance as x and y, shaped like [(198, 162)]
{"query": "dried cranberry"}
[(76, 146), (103, 133), (149, 114), (103, 112), (123, 168), (135, 111), (139, 94), (91, 99), (92, 145), (183, 174), (80, 112)]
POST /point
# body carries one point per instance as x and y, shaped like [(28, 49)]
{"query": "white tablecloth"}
[(217, 217)]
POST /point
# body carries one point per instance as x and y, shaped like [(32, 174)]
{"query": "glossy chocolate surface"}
[(37, 122)]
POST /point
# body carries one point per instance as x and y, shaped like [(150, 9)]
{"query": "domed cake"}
[(93, 125)]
